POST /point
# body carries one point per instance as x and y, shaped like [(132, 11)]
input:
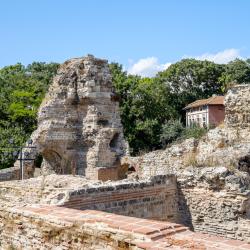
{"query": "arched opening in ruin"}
[(131, 169), (38, 161), (52, 162), (37, 165), (114, 142)]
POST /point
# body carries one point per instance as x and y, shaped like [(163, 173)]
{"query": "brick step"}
[(166, 232)]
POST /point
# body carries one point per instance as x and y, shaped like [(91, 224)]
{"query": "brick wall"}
[(216, 114), (214, 208), (24, 230), (155, 198)]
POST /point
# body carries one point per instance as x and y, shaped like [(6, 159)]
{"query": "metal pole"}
[(22, 163), (21, 157)]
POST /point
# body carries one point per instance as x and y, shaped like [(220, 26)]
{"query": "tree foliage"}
[(237, 71), (192, 79), (145, 105), (151, 108), (21, 92), (171, 130)]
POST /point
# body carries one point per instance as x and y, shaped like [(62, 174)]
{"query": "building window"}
[(204, 124)]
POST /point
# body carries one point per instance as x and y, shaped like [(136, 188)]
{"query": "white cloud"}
[(147, 67), (224, 56)]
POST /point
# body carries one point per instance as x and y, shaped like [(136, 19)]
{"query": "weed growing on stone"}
[(190, 160), (11, 247)]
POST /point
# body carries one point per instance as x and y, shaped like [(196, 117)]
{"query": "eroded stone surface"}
[(150, 198), (52, 227), (79, 127), (238, 106), (212, 173)]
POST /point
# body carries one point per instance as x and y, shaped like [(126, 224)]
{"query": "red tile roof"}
[(214, 100)]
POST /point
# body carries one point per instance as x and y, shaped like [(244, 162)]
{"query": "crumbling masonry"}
[(79, 127), (201, 184)]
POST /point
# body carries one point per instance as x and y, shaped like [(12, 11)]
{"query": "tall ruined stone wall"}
[(238, 106), (79, 127)]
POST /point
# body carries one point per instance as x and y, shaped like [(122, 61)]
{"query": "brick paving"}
[(158, 235)]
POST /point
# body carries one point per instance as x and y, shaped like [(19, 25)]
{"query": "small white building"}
[(205, 112)]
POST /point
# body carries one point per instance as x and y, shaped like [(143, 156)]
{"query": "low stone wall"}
[(24, 230), (219, 213), (213, 188), (155, 198), (10, 174), (212, 199), (51, 227), (161, 162)]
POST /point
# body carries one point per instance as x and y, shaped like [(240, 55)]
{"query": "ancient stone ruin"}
[(213, 173), (238, 106), (191, 195), (79, 127)]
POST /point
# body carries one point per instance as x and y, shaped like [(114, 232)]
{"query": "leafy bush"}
[(193, 132), (174, 131), (171, 130)]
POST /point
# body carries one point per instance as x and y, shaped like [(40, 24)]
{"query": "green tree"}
[(145, 105), (192, 79), (21, 92), (18, 135), (150, 108), (237, 71)]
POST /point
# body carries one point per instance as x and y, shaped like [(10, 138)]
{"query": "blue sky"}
[(143, 35)]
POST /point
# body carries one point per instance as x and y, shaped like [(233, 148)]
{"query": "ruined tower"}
[(79, 126)]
